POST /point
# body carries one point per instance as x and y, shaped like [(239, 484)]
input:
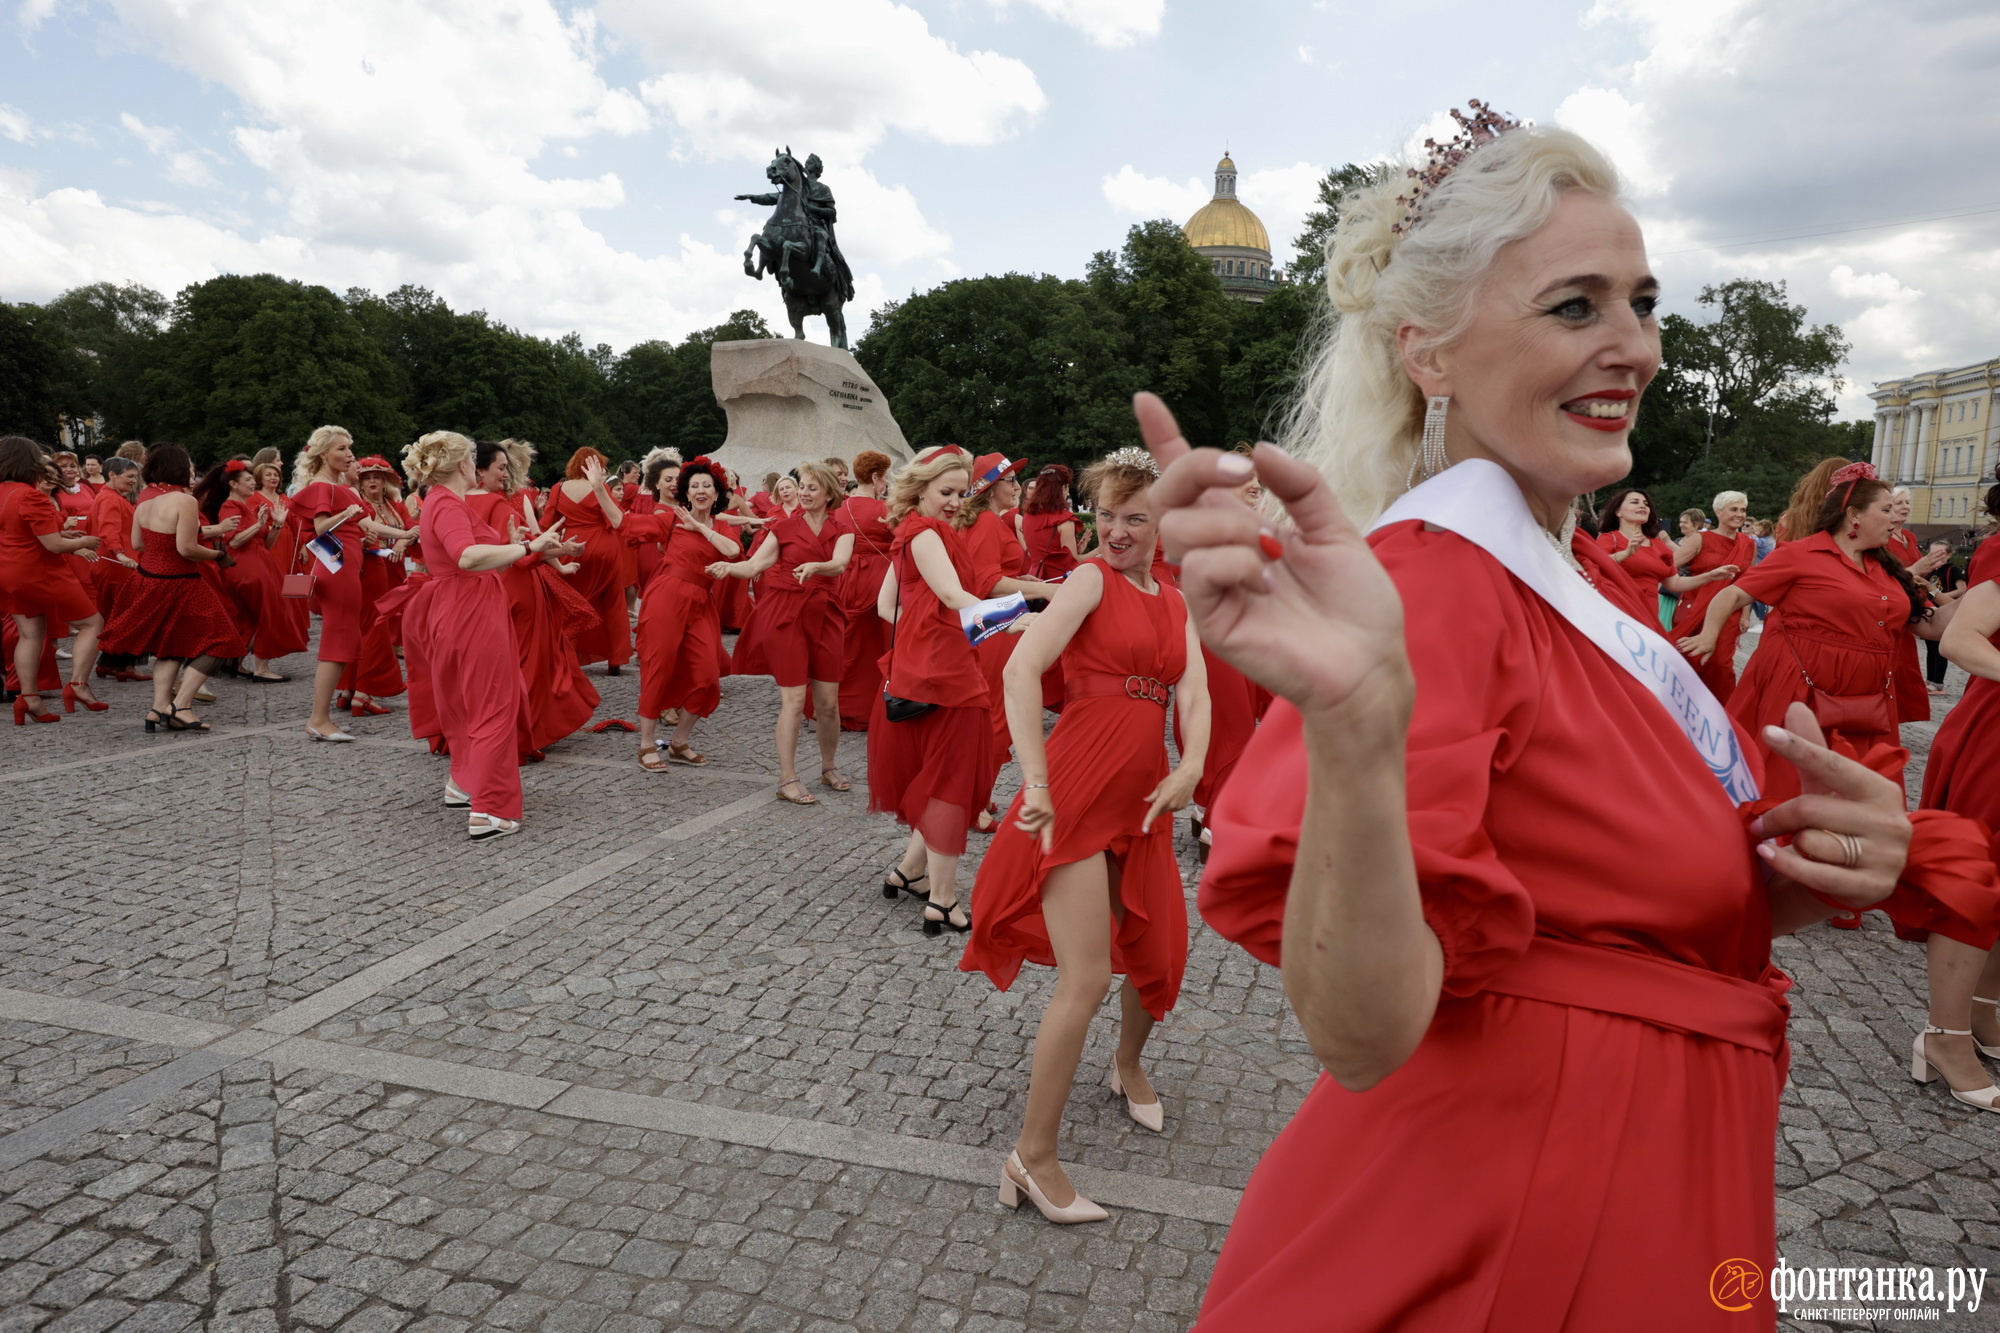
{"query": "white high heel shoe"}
[(1152, 1115), (454, 799), (1990, 1052), (1012, 1190), (1923, 1071)]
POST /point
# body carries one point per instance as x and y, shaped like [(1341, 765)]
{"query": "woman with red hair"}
[(592, 517), (1048, 527)]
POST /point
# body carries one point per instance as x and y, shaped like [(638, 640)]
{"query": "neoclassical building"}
[(1233, 239), (1935, 433)]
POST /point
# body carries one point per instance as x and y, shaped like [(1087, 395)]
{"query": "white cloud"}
[(1105, 22), (1134, 194), (832, 76), (184, 166), (14, 123), (1621, 128)]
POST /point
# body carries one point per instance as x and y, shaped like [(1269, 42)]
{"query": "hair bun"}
[(1362, 246)]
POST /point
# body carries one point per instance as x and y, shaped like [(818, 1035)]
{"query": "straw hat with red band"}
[(988, 469), (376, 463)]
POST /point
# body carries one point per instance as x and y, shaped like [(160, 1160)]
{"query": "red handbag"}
[(298, 583), (1855, 714)]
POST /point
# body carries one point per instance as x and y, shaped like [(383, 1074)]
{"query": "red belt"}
[(688, 576), (1653, 990), (1102, 685)]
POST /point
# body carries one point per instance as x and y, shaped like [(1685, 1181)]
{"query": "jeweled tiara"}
[(1483, 126)]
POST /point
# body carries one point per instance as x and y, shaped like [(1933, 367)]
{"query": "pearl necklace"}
[(1562, 542)]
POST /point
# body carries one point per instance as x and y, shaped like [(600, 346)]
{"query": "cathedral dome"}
[(1232, 239), (1226, 222)]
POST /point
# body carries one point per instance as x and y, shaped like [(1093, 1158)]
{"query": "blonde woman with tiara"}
[(1550, 1093)]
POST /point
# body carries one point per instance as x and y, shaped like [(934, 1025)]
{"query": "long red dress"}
[(1106, 754), (211, 573), (732, 596), (1585, 1131), (173, 612), (1913, 697), (335, 596), (290, 557), (866, 635), (466, 634), (375, 672), (35, 581), (111, 523), (1048, 559), (547, 616), (252, 583), (680, 633), (794, 632), (932, 772), (1720, 672), (600, 577), (994, 553), (1648, 566), (1963, 771)]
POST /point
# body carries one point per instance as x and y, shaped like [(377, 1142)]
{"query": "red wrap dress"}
[(600, 577), (1106, 755), (681, 659), (547, 615), (866, 634), (335, 596), (35, 581), (1585, 1130), (933, 772), (111, 523), (1913, 698), (1719, 674), (465, 638), (795, 630)]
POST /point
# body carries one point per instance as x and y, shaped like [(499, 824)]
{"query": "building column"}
[(1881, 439)]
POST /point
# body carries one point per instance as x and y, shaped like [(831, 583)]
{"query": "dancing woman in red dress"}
[(174, 614), (1552, 1093), (38, 586), (1630, 531), (324, 505), (680, 633), (375, 673), (467, 638), (866, 637), (1913, 697), (592, 517), (794, 634), (1048, 527), (931, 766), (115, 572), (1713, 559), (252, 577), (1081, 875)]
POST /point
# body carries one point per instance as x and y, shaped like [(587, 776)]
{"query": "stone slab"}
[(788, 401)]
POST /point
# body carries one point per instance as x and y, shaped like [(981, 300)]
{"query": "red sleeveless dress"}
[(1719, 674), (1106, 754), (173, 612), (257, 585), (1048, 559)]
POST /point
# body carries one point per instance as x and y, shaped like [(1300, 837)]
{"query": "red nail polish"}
[(1270, 547)]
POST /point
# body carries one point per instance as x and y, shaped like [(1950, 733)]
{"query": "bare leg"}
[(916, 857), (28, 653), (1985, 1024), (649, 730), (684, 729), (1954, 972), (166, 670), (193, 674), (791, 708), (826, 721), (83, 652), (1135, 1025), (943, 870), (1075, 902), (326, 678)]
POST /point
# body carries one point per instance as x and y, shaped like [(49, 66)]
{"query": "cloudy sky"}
[(571, 166)]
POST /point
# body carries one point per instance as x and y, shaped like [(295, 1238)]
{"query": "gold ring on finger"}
[(1850, 847)]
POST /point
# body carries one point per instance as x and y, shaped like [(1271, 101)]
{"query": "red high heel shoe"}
[(368, 709), (74, 692), (22, 712)]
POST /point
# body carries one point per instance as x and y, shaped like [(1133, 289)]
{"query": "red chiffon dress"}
[(335, 596), (111, 523), (1048, 559), (681, 658), (631, 500), (1963, 772), (465, 638), (376, 672), (599, 578), (1716, 550), (291, 557), (1106, 755), (1585, 1130), (1647, 567), (866, 634), (35, 581), (995, 554), (932, 772), (647, 552), (548, 615), (172, 612), (732, 596), (1913, 697), (257, 586), (794, 633)]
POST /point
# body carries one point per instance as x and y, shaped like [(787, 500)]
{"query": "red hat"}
[(990, 468), (375, 463)]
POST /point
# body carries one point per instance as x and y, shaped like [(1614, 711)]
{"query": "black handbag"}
[(894, 708)]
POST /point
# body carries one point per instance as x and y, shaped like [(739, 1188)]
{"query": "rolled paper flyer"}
[(982, 620)]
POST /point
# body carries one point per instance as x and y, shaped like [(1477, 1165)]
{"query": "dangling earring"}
[(1431, 457), (1853, 531)]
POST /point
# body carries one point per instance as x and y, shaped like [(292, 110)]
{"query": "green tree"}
[(38, 373), (115, 330), (1267, 350), (1309, 264), (1175, 328), (661, 394)]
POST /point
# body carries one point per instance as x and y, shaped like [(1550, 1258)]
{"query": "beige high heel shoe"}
[(1153, 1115), (1990, 1052), (1923, 1071), (1011, 1192)]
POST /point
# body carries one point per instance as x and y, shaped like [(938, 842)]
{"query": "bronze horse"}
[(794, 248)]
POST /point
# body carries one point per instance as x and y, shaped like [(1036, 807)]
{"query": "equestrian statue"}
[(797, 246)]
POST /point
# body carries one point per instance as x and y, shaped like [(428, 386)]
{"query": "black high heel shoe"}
[(936, 925), (155, 719), (890, 891)]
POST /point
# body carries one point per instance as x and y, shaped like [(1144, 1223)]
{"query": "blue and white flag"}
[(982, 620), (326, 547)]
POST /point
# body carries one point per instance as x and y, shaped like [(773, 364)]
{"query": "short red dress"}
[(466, 634), (35, 581), (932, 772), (1963, 772), (680, 632), (866, 635), (794, 633), (111, 523), (1719, 674), (1646, 567), (173, 612), (1048, 559), (1913, 698), (1106, 755), (600, 577), (335, 596), (547, 615)]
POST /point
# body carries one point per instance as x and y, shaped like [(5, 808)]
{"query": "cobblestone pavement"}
[(279, 1049)]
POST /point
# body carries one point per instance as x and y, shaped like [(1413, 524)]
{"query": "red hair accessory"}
[(233, 466), (375, 463), (932, 455), (1851, 476)]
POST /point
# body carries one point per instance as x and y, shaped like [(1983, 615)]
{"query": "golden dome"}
[(1225, 221), (1227, 163)]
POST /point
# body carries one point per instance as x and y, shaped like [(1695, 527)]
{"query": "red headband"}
[(1853, 475), (235, 465)]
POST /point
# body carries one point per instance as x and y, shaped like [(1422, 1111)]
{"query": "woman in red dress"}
[(1552, 1092), (1963, 772), (1913, 696), (221, 533), (866, 636), (115, 572), (288, 553), (592, 517), (253, 580), (794, 634), (1082, 875), (660, 480), (680, 636), (1713, 560), (467, 638), (38, 585), (1236, 704), (1048, 527), (321, 503), (930, 766), (174, 614), (1630, 531), (376, 673)]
